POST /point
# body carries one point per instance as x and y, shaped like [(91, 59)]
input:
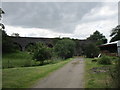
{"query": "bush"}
[(41, 53), (30, 47), (7, 44), (27, 63), (65, 48), (104, 60), (95, 60), (115, 75), (91, 50)]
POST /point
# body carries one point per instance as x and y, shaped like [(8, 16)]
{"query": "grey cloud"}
[(112, 6), (32, 34), (59, 17)]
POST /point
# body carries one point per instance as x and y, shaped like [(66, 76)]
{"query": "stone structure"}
[(23, 42)]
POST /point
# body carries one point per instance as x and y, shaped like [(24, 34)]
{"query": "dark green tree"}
[(30, 48), (1, 25), (41, 53), (114, 73), (7, 44), (115, 34), (15, 34), (65, 48), (78, 48), (98, 38), (91, 50)]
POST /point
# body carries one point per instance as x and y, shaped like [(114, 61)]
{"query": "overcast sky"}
[(64, 19)]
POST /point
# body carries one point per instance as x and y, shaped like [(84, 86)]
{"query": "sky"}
[(76, 20)]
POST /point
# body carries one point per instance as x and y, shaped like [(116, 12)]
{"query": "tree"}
[(1, 12), (98, 38), (41, 53), (115, 34), (1, 25), (7, 44), (15, 34), (30, 47), (78, 48), (65, 48), (91, 50)]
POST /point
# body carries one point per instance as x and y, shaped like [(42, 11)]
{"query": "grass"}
[(24, 77), (95, 80), (22, 59), (18, 59)]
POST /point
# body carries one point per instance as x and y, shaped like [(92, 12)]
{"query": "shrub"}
[(7, 44), (30, 47), (65, 48), (41, 53), (104, 60), (27, 63), (95, 60), (91, 50), (114, 73)]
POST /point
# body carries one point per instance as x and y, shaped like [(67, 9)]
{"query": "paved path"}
[(69, 76)]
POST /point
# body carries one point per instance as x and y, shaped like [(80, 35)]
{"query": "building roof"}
[(111, 43)]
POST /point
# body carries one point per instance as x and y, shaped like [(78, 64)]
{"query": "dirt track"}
[(69, 76)]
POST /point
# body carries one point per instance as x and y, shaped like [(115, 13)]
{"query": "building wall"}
[(118, 46)]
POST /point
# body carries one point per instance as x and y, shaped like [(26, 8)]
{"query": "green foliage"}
[(30, 48), (115, 34), (91, 50), (115, 74), (79, 49), (94, 79), (98, 37), (1, 12), (1, 25), (65, 48), (17, 59), (105, 60), (41, 52), (55, 40), (7, 44), (15, 34)]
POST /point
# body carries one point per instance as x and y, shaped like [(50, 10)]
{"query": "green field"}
[(95, 80), (22, 59), (24, 77), (20, 71), (18, 59)]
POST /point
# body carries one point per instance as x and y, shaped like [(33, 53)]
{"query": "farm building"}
[(112, 48)]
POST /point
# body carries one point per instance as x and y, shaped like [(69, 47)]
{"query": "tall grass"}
[(23, 59), (115, 74), (18, 59), (105, 60), (95, 80)]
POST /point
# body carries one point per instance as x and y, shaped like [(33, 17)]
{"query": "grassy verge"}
[(24, 77), (95, 80), (18, 59), (22, 59)]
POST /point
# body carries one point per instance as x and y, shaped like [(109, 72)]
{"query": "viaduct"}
[(23, 42)]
